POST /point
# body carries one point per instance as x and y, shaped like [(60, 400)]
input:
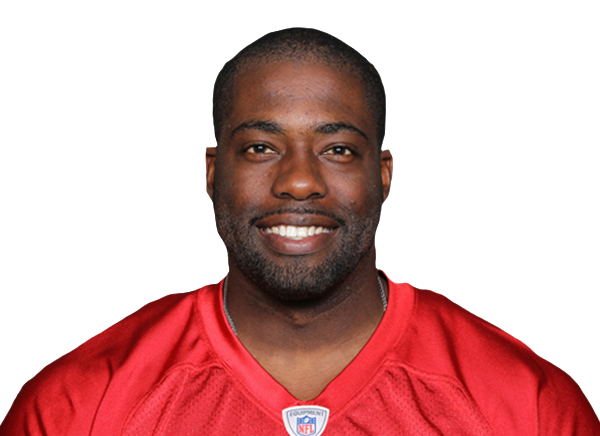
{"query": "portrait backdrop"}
[(105, 114)]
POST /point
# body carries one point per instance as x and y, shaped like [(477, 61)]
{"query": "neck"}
[(294, 339), (384, 301)]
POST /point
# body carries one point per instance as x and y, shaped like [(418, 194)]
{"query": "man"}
[(304, 335)]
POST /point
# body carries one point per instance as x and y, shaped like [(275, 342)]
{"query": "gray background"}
[(495, 201)]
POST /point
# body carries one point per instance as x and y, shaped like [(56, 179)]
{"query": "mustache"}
[(299, 211)]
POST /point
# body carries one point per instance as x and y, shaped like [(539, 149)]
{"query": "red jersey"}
[(176, 368)]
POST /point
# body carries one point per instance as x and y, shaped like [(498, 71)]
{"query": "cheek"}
[(245, 196), (360, 191)]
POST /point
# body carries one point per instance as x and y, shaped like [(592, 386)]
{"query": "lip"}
[(293, 247), (294, 219)]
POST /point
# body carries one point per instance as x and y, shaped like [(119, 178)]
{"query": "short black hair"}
[(298, 44)]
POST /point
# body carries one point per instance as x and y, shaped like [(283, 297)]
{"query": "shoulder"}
[(452, 330), (65, 395), (501, 374)]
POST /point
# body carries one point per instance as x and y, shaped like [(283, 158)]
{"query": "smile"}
[(296, 232)]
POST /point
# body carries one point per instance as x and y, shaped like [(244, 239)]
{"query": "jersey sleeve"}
[(60, 400), (92, 389), (563, 409), (517, 391)]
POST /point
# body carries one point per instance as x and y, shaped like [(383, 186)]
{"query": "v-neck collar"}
[(272, 395)]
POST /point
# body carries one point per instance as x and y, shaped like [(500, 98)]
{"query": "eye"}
[(339, 150), (260, 149)]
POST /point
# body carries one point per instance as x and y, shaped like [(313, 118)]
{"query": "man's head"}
[(297, 45), (297, 178)]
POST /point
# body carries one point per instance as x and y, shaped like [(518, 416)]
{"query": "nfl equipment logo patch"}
[(306, 426), (305, 420)]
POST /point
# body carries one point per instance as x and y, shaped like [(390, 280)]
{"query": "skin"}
[(300, 137)]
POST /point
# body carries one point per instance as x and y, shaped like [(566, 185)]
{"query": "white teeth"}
[(296, 232)]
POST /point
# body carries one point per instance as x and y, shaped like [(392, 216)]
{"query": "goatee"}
[(296, 278)]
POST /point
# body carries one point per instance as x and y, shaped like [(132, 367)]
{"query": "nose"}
[(299, 178)]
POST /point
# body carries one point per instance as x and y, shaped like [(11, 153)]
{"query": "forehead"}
[(299, 94)]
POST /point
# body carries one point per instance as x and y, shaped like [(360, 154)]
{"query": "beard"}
[(296, 278)]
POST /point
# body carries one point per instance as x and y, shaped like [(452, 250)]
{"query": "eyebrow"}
[(273, 127), (263, 126), (331, 128)]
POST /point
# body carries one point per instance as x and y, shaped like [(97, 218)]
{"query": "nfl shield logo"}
[(307, 425), (305, 420)]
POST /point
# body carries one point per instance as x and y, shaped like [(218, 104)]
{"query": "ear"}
[(387, 168), (211, 157)]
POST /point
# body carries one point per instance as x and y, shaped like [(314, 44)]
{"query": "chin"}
[(295, 280)]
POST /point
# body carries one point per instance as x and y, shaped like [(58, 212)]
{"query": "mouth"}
[(296, 233)]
